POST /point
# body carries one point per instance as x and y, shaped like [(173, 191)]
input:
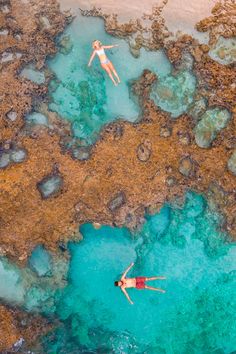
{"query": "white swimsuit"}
[(102, 56)]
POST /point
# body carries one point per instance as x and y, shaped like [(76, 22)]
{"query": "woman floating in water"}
[(106, 64), (138, 283)]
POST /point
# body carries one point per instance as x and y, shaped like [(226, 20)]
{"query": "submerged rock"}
[(44, 21), (4, 8), (184, 138), (37, 118), (212, 122), (171, 181), (165, 132), (11, 287), (50, 186), (116, 202), (4, 159), (232, 163), (40, 261), (224, 51), (174, 94), (197, 108), (81, 153), (65, 45), (12, 115), (4, 32), (62, 246), (186, 62), (144, 151), (187, 167), (7, 56), (18, 155), (34, 75)]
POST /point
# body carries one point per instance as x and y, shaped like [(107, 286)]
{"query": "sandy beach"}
[(180, 15)]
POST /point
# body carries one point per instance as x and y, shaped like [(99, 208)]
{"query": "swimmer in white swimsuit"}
[(106, 64)]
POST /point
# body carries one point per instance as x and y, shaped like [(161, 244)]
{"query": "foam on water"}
[(86, 96)]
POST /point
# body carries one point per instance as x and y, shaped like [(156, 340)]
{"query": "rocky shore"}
[(46, 192)]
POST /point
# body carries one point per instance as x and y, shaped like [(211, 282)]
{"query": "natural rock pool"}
[(186, 241), (85, 96), (197, 313)]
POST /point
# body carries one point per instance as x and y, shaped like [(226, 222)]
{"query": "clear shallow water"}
[(224, 50), (197, 314), (86, 96), (174, 93)]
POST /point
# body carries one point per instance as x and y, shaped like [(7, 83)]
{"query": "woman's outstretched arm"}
[(91, 58), (110, 46)]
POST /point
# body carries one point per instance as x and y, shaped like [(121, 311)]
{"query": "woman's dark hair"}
[(116, 283)]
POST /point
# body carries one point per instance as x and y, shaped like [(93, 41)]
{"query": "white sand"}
[(180, 15)]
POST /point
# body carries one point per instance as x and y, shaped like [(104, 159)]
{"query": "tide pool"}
[(86, 96), (197, 314), (224, 51)]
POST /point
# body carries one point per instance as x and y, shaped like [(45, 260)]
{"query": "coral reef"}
[(48, 185), (106, 173), (149, 31), (222, 21), (16, 325), (48, 221), (30, 32)]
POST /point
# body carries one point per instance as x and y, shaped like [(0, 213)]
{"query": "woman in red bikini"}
[(138, 283)]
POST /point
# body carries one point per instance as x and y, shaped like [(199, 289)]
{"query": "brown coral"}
[(16, 325), (221, 23)]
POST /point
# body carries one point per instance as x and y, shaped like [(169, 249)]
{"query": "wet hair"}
[(96, 41), (117, 282)]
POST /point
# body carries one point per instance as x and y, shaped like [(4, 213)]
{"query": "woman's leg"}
[(154, 278), (108, 70), (111, 66), (155, 289)]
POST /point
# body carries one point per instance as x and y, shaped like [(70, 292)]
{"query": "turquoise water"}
[(30, 73), (197, 314), (210, 124), (224, 51), (175, 93), (86, 96)]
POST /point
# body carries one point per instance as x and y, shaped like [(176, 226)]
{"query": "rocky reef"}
[(17, 327), (49, 184), (221, 22)]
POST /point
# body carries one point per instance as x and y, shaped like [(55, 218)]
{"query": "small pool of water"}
[(197, 314), (224, 51), (86, 96)]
